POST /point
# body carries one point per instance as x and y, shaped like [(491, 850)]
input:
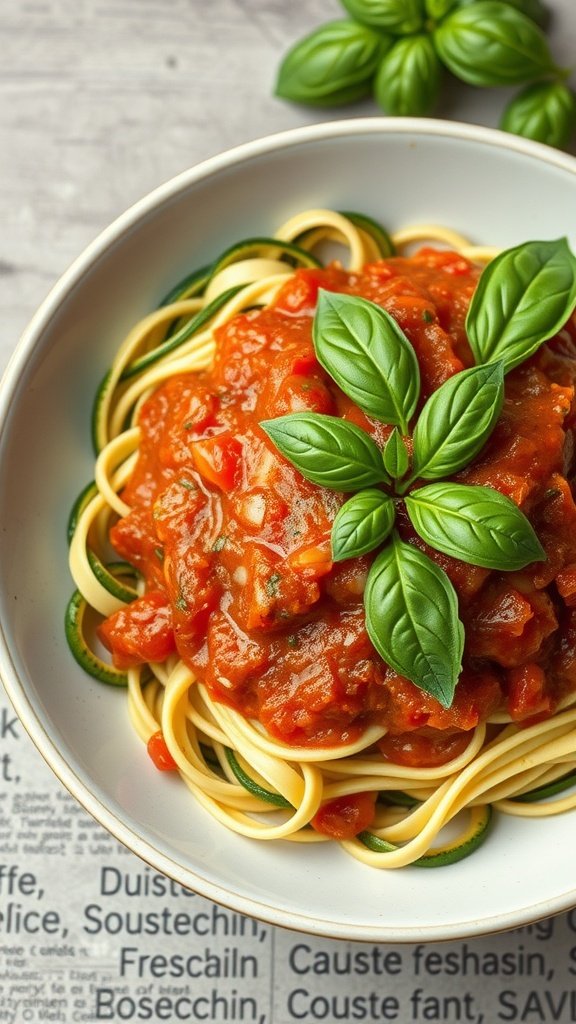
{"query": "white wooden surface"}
[(101, 100)]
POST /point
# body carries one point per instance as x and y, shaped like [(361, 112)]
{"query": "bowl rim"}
[(82, 790)]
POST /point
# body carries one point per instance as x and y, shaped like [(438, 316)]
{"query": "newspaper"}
[(88, 932)]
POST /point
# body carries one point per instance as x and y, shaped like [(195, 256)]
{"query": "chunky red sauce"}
[(235, 545)]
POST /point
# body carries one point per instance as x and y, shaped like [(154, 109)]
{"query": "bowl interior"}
[(496, 190)]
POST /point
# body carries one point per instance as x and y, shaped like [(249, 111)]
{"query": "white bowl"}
[(495, 188)]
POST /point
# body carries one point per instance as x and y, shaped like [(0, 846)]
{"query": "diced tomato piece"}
[(135, 539), (272, 594), (346, 816), (305, 363), (140, 632), (566, 583), (314, 561), (300, 294), (217, 459), (233, 656), (159, 753), (195, 594), (477, 695), (509, 627), (457, 266), (526, 692), (300, 393)]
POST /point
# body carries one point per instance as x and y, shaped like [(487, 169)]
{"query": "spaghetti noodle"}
[(245, 774)]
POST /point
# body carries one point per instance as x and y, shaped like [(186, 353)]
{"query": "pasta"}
[(240, 772)]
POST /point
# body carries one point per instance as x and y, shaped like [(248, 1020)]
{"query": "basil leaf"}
[(328, 451), (533, 9), (333, 65), (408, 79), (476, 524), (457, 420), (545, 112), (397, 16), (395, 455), (523, 297), (364, 350), (412, 619), (439, 8), (363, 523), (491, 43)]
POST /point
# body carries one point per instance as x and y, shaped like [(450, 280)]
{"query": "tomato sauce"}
[(234, 544)]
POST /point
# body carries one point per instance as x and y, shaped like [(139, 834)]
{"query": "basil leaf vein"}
[(412, 619), (409, 76), (475, 524), (491, 43), (438, 9), (457, 420), (368, 355), (522, 299), (397, 16), (328, 451), (332, 65), (395, 455), (545, 112), (533, 9), (363, 523)]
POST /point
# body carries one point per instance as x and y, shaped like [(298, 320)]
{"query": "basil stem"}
[(327, 450), (368, 355), (523, 297), (333, 65), (412, 619), (456, 421), (476, 524), (397, 16), (363, 523), (491, 43), (545, 112), (408, 79)]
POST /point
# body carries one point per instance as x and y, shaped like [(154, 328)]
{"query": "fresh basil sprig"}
[(400, 50), (522, 298)]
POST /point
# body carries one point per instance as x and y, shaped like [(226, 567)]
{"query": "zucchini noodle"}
[(253, 784)]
